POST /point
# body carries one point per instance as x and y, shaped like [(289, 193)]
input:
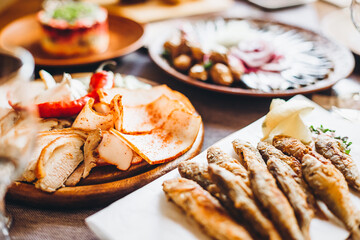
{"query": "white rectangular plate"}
[(146, 213)]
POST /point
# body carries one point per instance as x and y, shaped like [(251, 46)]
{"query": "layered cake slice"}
[(74, 28)]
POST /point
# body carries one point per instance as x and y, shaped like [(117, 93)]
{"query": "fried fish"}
[(239, 145), (329, 185), (293, 191), (199, 173), (330, 149), (267, 151), (290, 146), (269, 195), (236, 190), (222, 159), (204, 209), (294, 147)]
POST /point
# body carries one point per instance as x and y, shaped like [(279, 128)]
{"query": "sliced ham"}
[(143, 96), (102, 107), (136, 159), (113, 150), (144, 118), (166, 142), (104, 148), (89, 119)]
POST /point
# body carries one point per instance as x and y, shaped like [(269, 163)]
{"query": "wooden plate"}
[(341, 57), (104, 184), (125, 37)]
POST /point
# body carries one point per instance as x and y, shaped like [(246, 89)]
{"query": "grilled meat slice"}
[(330, 149), (57, 161), (90, 151), (42, 141), (269, 195), (222, 159), (293, 191), (76, 176), (236, 190), (204, 209), (329, 185)]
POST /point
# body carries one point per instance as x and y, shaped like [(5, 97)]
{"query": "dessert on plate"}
[(73, 28)]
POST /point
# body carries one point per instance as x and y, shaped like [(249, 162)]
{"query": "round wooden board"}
[(104, 184), (125, 37), (343, 60)]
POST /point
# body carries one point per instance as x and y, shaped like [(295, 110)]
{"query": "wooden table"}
[(222, 114)]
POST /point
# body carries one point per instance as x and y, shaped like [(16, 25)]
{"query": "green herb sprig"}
[(208, 65), (344, 140), (74, 10)]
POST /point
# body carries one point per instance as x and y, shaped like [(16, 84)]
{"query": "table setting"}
[(193, 119)]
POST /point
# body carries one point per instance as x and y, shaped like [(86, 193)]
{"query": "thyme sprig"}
[(344, 140)]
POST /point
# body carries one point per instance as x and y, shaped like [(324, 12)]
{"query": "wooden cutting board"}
[(104, 184), (154, 10)]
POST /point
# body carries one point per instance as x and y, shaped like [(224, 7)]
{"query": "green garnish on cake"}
[(73, 28), (74, 10)]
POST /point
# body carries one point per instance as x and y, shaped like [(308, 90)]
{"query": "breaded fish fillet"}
[(252, 148), (204, 209), (267, 150), (269, 195), (236, 190), (330, 149), (329, 185), (294, 147), (293, 191), (222, 159), (198, 172), (290, 146), (239, 145)]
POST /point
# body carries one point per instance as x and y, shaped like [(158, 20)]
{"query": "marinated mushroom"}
[(172, 47), (221, 74), (198, 72), (218, 56), (182, 62)]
